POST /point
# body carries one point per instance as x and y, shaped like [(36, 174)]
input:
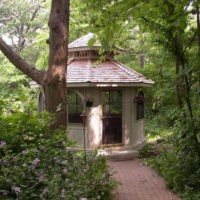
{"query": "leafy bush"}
[(22, 131), (38, 164), (152, 149), (146, 151), (180, 164)]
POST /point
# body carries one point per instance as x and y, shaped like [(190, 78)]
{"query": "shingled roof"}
[(109, 72), (83, 72), (82, 42)]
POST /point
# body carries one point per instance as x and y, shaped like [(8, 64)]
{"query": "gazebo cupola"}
[(79, 49)]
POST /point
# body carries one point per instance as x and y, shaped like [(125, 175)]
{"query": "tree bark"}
[(198, 28), (179, 54), (142, 52), (179, 86), (53, 80), (188, 99), (198, 36), (54, 86)]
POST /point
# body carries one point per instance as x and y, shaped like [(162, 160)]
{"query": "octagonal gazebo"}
[(110, 94)]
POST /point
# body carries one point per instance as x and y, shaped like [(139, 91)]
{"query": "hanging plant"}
[(88, 101)]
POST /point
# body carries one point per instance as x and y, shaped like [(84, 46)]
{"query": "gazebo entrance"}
[(112, 116)]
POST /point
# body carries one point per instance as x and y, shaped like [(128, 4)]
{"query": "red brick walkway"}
[(139, 182)]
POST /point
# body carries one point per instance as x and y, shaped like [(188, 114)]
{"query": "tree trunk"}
[(142, 52), (181, 61), (179, 86), (198, 36), (198, 28), (22, 65), (53, 80), (54, 86), (161, 71)]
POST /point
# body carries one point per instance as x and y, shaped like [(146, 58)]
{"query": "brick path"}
[(139, 182)]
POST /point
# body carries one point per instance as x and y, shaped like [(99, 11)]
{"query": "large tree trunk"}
[(53, 80), (54, 86)]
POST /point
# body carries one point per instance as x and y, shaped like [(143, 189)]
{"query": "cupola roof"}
[(82, 43)]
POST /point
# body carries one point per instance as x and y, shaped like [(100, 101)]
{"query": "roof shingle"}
[(109, 71), (83, 42)]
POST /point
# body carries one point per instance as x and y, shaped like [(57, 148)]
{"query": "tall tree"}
[(53, 80), (168, 20)]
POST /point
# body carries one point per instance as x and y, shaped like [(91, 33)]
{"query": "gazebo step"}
[(120, 154)]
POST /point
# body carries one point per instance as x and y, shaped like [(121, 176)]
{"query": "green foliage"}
[(141, 28), (79, 20), (36, 163), (14, 88), (154, 131), (161, 98), (26, 30), (179, 163), (146, 151), (25, 19), (21, 131)]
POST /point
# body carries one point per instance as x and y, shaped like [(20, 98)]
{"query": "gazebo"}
[(111, 96)]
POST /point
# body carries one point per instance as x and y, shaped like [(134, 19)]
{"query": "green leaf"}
[(178, 8), (91, 42), (165, 8), (182, 24), (116, 27), (172, 1), (174, 34)]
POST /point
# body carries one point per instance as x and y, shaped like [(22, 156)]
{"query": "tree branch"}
[(3, 20), (190, 41), (32, 18), (22, 65)]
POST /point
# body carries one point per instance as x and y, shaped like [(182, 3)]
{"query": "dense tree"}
[(174, 29), (169, 21), (20, 22), (53, 80)]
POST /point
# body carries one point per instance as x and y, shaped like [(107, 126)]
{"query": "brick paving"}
[(139, 182)]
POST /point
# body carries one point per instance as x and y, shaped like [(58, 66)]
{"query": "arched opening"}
[(75, 107), (140, 101)]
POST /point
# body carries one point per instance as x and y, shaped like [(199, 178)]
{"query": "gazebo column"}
[(127, 116), (94, 136), (138, 130)]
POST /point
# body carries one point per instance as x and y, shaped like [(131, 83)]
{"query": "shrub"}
[(38, 164), (180, 165), (22, 131), (52, 171)]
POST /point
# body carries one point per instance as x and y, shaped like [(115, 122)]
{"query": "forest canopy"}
[(159, 38)]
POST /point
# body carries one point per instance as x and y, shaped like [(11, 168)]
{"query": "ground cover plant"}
[(177, 163), (36, 163)]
